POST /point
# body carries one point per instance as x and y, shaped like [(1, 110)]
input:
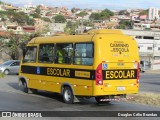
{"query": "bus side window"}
[(83, 54), (46, 53), (30, 55), (64, 53)]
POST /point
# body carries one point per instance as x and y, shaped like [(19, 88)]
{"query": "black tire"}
[(6, 72), (25, 88), (98, 99), (34, 91), (68, 96)]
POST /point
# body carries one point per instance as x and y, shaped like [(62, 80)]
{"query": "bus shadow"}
[(58, 97), (51, 95), (14, 86), (91, 102)]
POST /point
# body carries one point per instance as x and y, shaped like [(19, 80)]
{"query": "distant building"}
[(134, 17), (29, 29), (114, 19), (40, 25), (149, 46), (141, 26), (123, 17), (143, 17), (153, 13), (57, 27)]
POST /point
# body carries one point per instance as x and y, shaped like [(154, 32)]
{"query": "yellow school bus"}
[(101, 63)]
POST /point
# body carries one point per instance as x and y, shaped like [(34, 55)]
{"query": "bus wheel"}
[(34, 91), (68, 95), (25, 88), (98, 99)]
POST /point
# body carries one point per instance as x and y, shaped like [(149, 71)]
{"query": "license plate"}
[(121, 88)]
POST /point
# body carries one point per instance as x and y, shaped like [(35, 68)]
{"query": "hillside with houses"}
[(50, 20)]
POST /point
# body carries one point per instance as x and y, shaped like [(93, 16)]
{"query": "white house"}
[(149, 46)]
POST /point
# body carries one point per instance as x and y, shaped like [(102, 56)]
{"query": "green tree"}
[(95, 16), (38, 9), (88, 23), (123, 12), (17, 43), (37, 34), (35, 15), (1, 2), (105, 14), (12, 47), (30, 21), (144, 12), (71, 27), (19, 17), (124, 24), (59, 19), (46, 19), (82, 14), (73, 10), (1, 43)]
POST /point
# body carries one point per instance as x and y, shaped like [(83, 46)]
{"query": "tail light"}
[(99, 75), (138, 72)]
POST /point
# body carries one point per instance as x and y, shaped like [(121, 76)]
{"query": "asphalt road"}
[(150, 82), (13, 99)]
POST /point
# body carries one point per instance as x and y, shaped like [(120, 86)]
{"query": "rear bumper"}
[(101, 91), (115, 93)]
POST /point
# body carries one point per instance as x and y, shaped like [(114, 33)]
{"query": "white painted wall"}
[(153, 55)]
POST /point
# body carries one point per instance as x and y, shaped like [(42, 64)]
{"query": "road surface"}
[(13, 99)]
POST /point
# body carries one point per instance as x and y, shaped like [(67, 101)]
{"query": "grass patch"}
[(146, 98), (1, 75)]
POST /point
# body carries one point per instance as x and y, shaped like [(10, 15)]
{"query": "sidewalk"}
[(152, 71)]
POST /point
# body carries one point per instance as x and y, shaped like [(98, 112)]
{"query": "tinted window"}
[(46, 53), (15, 64), (83, 54)]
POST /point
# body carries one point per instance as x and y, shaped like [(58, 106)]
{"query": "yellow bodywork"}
[(111, 47)]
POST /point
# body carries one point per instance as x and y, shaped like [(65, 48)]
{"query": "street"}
[(13, 99), (150, 82)]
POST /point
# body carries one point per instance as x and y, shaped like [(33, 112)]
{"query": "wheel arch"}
[(64, 85), (23, 79), (5, 70)]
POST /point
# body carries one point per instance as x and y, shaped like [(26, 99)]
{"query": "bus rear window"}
[(83, 54)]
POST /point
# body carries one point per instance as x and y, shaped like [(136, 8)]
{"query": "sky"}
[(91, 4)]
